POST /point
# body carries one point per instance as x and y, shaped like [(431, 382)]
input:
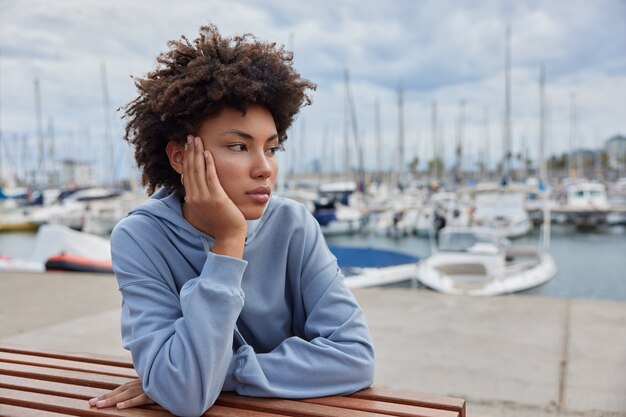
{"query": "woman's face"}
[(244, 147)]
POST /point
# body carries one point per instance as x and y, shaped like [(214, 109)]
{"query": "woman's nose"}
[(262, 167)]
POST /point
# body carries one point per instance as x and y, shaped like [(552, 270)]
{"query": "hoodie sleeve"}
[(334, 356), (181, 344)]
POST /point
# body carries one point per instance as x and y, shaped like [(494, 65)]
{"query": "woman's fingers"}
[(124, 392), (141, 399), (200, 165), (212, 180), (191, 185), (194, 167), (103, 399)]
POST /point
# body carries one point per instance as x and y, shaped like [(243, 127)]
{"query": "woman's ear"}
[(175, 152)]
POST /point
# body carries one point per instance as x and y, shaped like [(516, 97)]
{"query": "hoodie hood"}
[(167, 208)]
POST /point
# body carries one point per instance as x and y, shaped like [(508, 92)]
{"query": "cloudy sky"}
[(448, 52)]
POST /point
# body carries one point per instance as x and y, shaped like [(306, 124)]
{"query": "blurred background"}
[(66, 68)]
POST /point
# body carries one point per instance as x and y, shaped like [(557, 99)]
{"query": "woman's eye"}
[(239, 147), (274, 149)]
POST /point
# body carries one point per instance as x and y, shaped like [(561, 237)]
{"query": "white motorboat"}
[(368, 267), (481, 262)]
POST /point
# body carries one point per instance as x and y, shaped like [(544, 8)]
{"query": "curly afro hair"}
[(194, 81)]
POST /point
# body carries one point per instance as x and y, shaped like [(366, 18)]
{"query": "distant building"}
[(616, 151), (75, 173)]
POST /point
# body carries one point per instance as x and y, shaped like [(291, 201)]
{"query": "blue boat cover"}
[(369, 257)]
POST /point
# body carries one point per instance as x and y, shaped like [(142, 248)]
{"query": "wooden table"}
[(49, 384)]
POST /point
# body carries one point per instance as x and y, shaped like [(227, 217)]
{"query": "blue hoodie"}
[(299, 333)]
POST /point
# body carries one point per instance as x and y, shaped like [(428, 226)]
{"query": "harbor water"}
[(591, 264)]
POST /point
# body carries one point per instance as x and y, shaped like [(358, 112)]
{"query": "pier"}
[(511, 356)]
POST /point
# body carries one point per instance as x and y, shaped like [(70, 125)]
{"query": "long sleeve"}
[(332, 355), (181, 342)]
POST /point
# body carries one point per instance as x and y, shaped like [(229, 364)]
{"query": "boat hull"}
[(475, 282)]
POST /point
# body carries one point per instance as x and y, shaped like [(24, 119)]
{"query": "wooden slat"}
[(413, 398), (67, 364), (50, 387), (62, 375), (85, 393), (290, 407), (7, 410), (383, 407), (100, 359), (70, 406), (52, 383), (221, 411)]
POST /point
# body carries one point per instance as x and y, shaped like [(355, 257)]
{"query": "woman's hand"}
[(207, 206), (127, 395)]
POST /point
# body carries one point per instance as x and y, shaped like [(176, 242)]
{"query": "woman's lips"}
[(260, 194)]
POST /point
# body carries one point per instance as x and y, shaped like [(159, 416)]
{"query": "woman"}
[(206, 126)]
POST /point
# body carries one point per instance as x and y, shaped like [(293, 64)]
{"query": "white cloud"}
[(441, 50)]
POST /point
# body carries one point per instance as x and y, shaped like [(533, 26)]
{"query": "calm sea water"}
[(590, 264)]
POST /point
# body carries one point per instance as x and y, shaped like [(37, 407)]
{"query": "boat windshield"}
[(463, 241)]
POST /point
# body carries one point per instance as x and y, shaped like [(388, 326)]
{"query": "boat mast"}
[(486, 159), (458, 174), (543, 180), (52, 152), (107, 122), (379, 163), (400, 159), (572, 134), (433, 127), (507, 106), (543, 169), (355, 131), (39, 131)]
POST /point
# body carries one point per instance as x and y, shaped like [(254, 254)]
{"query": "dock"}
[(514, 355)]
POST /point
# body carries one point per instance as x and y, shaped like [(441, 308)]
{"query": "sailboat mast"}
[(39, 129), (507, 105), (487, 158), (346, 130), (400, 163), (543, 168), (433, 128), (107, 121), (51, 153), (459, 144), (355, 130), (379, 163), (572, 135), (543, 179)]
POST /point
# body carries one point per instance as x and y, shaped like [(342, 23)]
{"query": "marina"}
[(589, 261)]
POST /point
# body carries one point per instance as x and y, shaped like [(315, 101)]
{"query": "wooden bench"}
[(48, 384)]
